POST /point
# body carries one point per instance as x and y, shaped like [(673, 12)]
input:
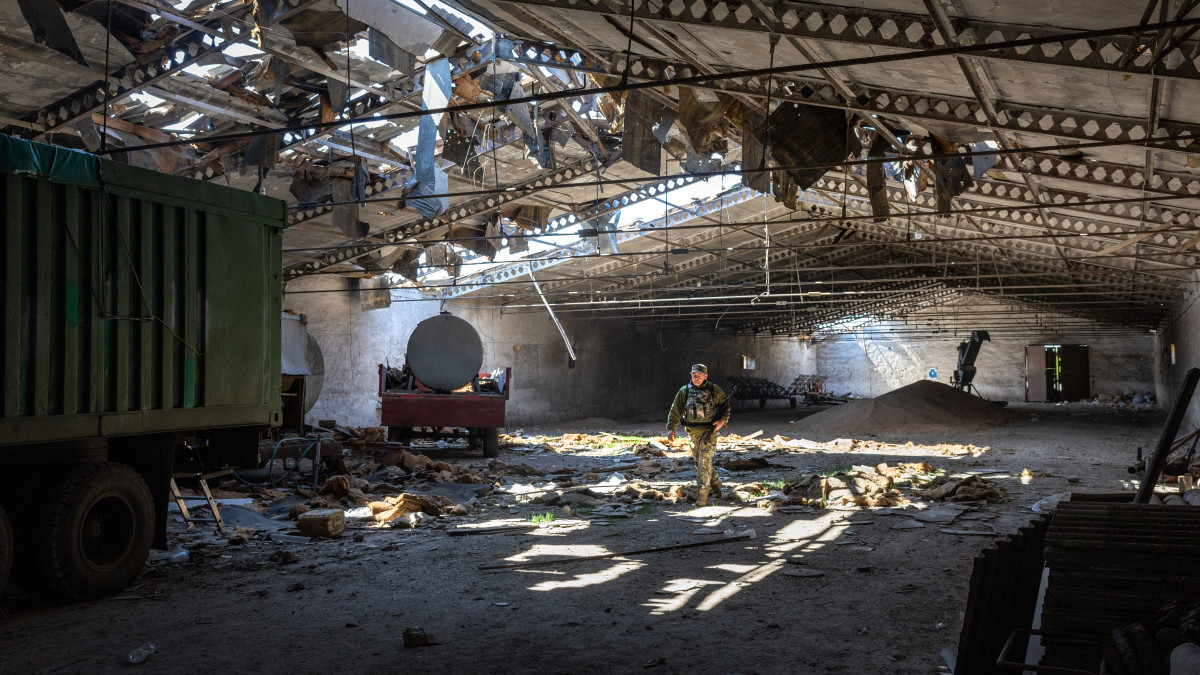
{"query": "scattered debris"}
[(971, 488), (417, 637), (322, 523), (140, 654), (240, 535)]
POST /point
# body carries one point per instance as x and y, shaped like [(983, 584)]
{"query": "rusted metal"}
[(1112, 564), (1002, 598)]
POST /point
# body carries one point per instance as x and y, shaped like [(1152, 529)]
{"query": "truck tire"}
[(94, 534), (491, 442), (6, 548)]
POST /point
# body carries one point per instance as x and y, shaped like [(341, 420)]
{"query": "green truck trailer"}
[(141, 322)]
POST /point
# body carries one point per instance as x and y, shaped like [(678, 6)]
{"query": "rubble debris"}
[(283, 557), (742, 463), (346, 487), (971, 488), (401, 507), (322, 523), (140, 654), (240, 535), (940, 514), (417, 637)]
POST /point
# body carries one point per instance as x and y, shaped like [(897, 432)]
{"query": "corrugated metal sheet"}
[(137, 303)]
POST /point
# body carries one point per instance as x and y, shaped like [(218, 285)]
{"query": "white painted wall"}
[(615, 373), (868, 367), (354, 342), (632, 371)]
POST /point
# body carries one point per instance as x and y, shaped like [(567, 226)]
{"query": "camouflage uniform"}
[(698, 408)]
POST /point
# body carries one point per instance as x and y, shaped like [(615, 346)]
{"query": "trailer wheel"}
[(491, 442), (94, 535), (6, 548)]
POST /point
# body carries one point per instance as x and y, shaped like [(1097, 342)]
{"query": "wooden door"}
[(1074, 374), (1035, 373)]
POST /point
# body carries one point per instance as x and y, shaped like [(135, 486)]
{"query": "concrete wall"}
[(1180, 331), (631, 371), (353, 342), (616, 373), (874, 365)]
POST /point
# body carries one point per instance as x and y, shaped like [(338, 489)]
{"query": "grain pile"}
[(923, 407)]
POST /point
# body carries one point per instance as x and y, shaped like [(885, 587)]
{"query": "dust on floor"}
[(775, 577)]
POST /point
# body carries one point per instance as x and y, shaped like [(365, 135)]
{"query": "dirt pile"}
[(922, 407)]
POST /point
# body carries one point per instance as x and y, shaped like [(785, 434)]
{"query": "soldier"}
[(703, 409)]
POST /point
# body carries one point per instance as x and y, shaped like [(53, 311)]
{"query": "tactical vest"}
[(701, 406)]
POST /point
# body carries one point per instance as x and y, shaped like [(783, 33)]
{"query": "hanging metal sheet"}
[(640, 147), (876, 188), (428, 178), (50, 28), (382, 49)]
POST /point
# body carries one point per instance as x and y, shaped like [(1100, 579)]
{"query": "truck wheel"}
[(491, 442), (6, 548), (94, 534)]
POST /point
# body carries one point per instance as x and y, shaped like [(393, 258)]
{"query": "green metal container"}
[(134, 302)]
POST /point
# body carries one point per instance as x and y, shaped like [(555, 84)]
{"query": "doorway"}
[(1055, 373)]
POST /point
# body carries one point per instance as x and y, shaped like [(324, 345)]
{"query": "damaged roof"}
[(768, 168)]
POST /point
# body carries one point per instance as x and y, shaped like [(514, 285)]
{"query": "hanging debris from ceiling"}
[(754, 152), (473, 237), (951, 177), (318, 29), (876, 188), (428, 178), (602, 232), (981, 164), (460, 149), (408, 264), (801, 135), (345, 216), (310, 184), (641, 144), (702, 114), (381, 48), (50, 28), (504, 81)]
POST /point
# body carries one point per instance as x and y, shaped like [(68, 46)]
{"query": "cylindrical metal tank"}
[(445, 353)]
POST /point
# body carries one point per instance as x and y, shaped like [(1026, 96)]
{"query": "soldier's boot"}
[(715, 488), (702, 497)]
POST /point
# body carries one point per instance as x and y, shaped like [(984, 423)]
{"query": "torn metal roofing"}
[(1039, 184)]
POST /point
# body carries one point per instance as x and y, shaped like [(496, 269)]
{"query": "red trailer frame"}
[(408, 413)]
